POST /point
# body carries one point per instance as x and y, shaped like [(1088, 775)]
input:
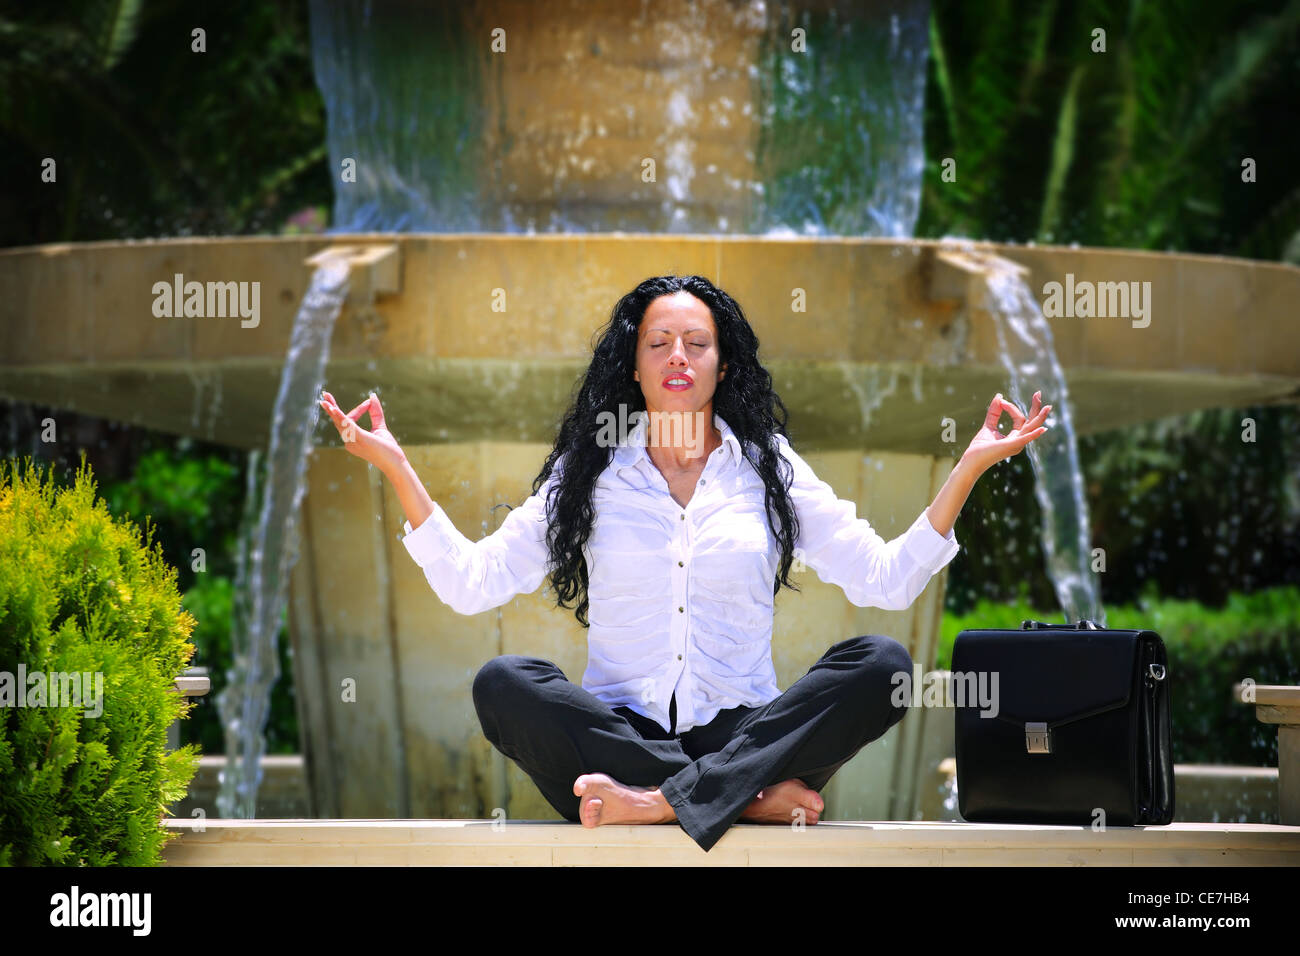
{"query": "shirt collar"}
[(630, 454)]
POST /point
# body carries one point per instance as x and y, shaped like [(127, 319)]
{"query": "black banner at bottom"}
[(332, 904)]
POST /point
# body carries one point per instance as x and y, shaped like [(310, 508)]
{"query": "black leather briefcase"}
[(1077, 731)]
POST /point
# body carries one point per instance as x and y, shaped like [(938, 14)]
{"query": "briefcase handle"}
[(1081, 625)]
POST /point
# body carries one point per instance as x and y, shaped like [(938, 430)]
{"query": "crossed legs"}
[(578, 750)]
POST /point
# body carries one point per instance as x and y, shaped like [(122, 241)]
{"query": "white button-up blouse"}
[(681, 597)]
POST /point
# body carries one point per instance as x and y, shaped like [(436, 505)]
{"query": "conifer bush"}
[(83, 593)]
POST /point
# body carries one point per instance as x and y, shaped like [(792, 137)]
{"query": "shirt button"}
[(683, 515), (680, 565), (682, 609), (701, 481), (679, 657)]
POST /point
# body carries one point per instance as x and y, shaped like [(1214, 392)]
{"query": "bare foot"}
[(605, 800), (779, 803)]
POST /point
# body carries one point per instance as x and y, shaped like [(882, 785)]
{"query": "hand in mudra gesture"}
[(990, 446), (377, 446)]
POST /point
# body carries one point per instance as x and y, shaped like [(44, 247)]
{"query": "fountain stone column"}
[(408, 742)]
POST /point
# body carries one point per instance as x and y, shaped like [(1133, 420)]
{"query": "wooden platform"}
[(867, 843)]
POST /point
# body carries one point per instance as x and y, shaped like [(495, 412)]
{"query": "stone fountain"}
[(506, 173)]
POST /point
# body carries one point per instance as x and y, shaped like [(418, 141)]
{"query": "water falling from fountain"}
[(1029, 356), (763, 117), (268, 547)]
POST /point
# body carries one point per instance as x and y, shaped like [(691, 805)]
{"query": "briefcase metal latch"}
[(1038, 739)]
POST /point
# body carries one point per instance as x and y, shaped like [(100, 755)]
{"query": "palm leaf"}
[(1041, 33), (279, 177), (1062, 155), (943, 81), (1240, 67), (118, 22)]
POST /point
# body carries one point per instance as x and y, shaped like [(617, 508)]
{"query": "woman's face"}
[(678, 340)]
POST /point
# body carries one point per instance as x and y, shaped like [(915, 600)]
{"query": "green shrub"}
[(80, 592), (1210, 649)]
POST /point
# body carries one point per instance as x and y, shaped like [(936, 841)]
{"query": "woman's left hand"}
[(990, 446)]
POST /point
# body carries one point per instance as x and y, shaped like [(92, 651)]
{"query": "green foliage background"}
[(1140, 146), (194, 497), (80, 592), (1254, 636)]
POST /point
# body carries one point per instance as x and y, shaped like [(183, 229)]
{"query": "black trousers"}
[(556, 731)]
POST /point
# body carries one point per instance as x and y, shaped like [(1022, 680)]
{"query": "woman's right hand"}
[(377, 446)]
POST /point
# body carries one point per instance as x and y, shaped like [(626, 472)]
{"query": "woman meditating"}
[(671, 507)]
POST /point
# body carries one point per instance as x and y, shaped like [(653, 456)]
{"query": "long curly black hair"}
[(744, 398)]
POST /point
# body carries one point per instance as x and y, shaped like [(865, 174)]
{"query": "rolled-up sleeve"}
[(846, 551), (475, 576)]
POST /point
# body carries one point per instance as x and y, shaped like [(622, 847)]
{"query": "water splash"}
[(201, 380), (268, 542), (747, 132), (1029, 356), (840, 146), (948, 798), (870, 385)]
